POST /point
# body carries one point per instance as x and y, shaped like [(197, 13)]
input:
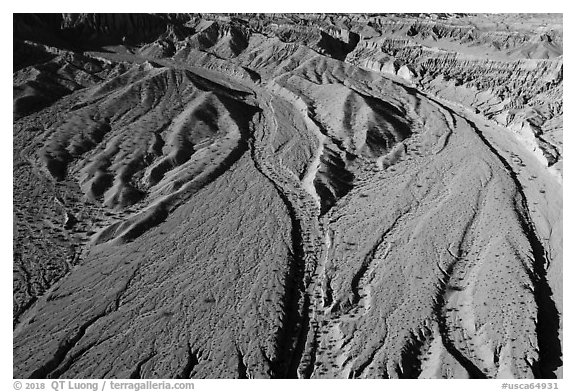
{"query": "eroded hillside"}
[(282, 196)]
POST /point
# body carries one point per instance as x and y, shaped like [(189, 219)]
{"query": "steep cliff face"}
[(312, 196)]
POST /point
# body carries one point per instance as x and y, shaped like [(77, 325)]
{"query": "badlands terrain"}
[(287, 196)]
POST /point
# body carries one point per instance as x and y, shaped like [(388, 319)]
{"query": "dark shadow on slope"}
[(440, 312), (78, 32), (333, 180), (386, 125), (335, 47)]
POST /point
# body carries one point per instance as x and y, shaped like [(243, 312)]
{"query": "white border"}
[(6, 381)]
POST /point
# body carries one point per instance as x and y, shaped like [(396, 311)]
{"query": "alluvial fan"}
[(287, 196)]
